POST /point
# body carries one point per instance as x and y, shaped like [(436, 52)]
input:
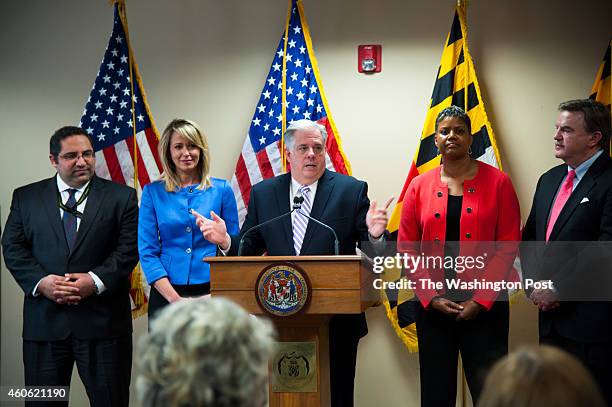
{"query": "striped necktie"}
[(69, 220), (299, 220)]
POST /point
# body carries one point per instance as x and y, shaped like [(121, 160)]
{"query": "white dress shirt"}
[(295, 185), (64, 195), (293, 191)]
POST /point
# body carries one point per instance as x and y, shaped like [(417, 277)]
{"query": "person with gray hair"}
[(205, 353), (337, 200), (303, 124)]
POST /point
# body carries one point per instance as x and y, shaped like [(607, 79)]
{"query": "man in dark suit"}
[(571, 217), (70, 242), (335, 199)]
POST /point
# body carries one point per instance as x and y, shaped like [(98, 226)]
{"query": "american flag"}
[(261, 155), (115, 112)]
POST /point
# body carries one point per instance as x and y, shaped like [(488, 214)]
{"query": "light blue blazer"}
[(170, 243)]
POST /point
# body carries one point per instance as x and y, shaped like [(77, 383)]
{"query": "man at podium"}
[(338, 201)]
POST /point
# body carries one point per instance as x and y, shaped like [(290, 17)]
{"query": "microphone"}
[(297, 201), (297, 204)]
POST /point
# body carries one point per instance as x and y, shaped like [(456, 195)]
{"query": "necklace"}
[(73, 210)]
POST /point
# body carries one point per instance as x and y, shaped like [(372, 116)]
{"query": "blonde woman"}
[(170, 244)]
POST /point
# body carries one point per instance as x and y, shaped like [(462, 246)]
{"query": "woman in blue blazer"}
[(170, 244)]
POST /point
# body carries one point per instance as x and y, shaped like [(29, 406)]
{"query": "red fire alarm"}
[(369, 58)]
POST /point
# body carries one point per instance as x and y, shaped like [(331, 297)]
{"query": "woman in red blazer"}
[(462, 220)]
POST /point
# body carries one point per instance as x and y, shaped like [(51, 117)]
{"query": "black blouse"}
[(451, 245)]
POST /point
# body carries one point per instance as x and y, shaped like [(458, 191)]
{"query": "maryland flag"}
[(118, 118), (456, 84), (602, 88)]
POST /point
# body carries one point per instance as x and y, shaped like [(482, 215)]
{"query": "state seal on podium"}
[(283, 289)]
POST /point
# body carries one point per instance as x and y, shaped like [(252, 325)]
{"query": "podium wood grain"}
[(339, 285)]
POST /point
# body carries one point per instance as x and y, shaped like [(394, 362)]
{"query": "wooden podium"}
[(338, 285)]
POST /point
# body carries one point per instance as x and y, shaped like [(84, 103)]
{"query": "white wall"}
[(207, 60)]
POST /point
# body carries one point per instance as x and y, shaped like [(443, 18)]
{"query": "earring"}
[(470, 150)]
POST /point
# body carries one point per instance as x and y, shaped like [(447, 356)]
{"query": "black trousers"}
[(481, 341), (157, 301), (343, 345), (104, 365), (596, 357)]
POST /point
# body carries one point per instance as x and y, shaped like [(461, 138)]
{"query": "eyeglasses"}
[(304, 149), (87, 155)]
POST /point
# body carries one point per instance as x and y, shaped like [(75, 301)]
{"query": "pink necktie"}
[(560, 201)]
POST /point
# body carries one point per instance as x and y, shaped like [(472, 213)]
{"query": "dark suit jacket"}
[(580, 271), (35, 245), (340, 201)]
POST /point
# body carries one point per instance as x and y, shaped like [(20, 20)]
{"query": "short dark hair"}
[(454, 111), (55, 144), (596, 117)]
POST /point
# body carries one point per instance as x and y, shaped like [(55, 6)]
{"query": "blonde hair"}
[(205, 353), (540, 376), (190, 131)]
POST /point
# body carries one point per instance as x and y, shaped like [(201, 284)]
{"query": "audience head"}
[(540, 376), (183, 150), (205, 353)]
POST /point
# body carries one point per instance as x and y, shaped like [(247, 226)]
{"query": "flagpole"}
[(462, 5), (123, 17), (135, 74), (284, 92), (461, 10), (136, 274)]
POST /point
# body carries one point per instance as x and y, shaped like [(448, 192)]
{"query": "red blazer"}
[(489, 214)]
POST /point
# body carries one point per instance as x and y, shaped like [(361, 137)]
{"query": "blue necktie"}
[(69, 220)]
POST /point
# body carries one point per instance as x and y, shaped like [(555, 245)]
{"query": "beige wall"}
[(207, 60)]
